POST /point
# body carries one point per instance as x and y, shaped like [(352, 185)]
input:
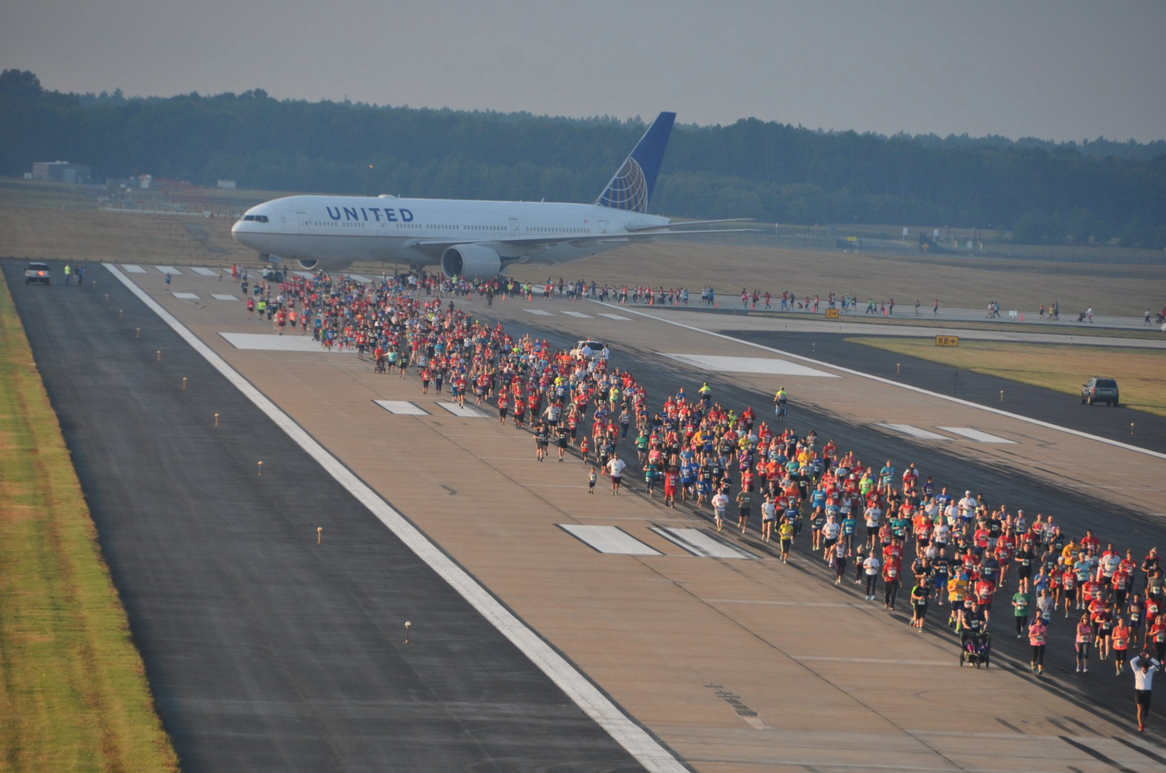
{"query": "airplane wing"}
[(679, 223), (438, 246)]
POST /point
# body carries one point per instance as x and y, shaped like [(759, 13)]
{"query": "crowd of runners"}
[(886, 529)]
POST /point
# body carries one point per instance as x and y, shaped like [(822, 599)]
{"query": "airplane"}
[(467, 238)]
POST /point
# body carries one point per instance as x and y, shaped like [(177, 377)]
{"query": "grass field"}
[(73, 692), (1140, 373)]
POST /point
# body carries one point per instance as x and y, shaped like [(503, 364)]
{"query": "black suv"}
[(38, 272), (1099, 390)]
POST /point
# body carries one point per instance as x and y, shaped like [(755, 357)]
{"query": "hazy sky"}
[(1056, 70)]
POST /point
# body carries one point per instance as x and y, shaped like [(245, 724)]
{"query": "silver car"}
[(1100, 390)]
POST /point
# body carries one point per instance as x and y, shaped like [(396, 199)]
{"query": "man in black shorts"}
[(1144, 668)]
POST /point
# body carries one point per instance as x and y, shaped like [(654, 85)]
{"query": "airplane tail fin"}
[(631, 187)]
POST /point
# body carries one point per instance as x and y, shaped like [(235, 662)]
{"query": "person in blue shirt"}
[(848, 524)]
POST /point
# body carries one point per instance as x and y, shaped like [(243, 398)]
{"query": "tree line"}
[(1090, 192)]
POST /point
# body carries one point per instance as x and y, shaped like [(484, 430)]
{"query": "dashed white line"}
[(402, 407), (463, 411), (915, 432), (976, 435)]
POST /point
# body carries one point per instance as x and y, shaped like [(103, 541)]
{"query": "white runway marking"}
[(698, 543), (577, 314), (977, 435), (271, 342), (185, 296), (617, 317), (609, 539), (204, 271), (764, 365), (539, 312), (915, 432), (168, 270), (647, 751), (401, 407), (133, 269), (468, 412), (221, 297)]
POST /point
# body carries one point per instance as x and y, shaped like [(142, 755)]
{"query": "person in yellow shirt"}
[(957, 590), (785, 532)]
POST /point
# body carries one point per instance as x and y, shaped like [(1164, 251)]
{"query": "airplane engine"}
[(324, 265), (469, 261)]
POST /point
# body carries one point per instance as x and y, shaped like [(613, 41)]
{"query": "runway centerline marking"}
[(576, 314), (647, 751), (881, 380), (608, 539), (915, 432), (764, 365), (133, 269), (402, 407), (224, 297), (464, 412), (699, 543), (273, 342), (616, 317), (539, 312), (185, 296), (203, 271), (168, 270), (977, 435)]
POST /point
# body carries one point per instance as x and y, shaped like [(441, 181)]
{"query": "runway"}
[(264, 649), (731, 663)]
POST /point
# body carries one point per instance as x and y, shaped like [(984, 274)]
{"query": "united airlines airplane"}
[(466, 238)]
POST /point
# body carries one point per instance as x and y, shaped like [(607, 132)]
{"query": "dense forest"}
[(1090, 192)]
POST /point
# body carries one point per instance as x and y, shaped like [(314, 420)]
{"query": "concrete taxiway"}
[(731, 660)]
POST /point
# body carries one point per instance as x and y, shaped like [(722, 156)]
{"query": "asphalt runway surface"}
[(1100, 690), (264, 650)]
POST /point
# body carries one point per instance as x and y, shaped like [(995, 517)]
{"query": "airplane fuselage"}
[(418, 231)]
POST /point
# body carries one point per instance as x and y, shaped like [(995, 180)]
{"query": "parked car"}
[(1100, 390), (38, 272)]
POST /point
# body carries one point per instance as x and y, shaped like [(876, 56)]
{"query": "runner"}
[(1037, 631), (1084, 643), (720, 503), (616, 467)]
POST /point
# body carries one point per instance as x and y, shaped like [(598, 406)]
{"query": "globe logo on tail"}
[(628, 189)]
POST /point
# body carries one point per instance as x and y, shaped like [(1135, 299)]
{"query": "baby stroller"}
[(976, 648)]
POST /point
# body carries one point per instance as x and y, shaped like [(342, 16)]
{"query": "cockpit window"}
[(255, 218)]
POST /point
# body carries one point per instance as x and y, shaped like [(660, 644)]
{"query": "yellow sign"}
[(947, 340), (831, 313)]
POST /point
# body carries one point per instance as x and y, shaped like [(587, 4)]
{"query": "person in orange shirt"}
[(1120, 642)]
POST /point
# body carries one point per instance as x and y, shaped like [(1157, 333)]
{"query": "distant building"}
[(145, 181), (227, 184), (62, 172)]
